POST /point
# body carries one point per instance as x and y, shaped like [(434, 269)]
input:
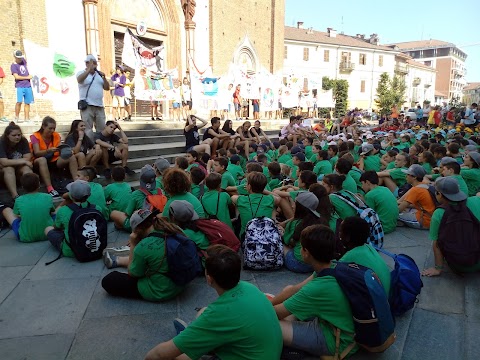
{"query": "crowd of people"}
[(310, 182)]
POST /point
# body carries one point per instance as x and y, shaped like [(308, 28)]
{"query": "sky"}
[(397, 21)]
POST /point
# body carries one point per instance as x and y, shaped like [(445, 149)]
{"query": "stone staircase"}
[(147, 141)]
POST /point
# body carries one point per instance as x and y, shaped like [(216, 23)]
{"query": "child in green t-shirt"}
[(276, 177), (32, 211), (97, 196), (214, 201), (253, 151), (197, 177), (332, 154), (283, 154), (118, 193), (323, 165), (235, 169), (220, 165)]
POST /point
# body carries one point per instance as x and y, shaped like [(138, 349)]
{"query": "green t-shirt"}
[(210, 200), (333, 160), (314, 159), (252, 155), (372, 162), (472, 178), (356, 173), (230, 326), (367, 256), (473, 203), (294, 193), (243, 162), (323, 298), (137, 199), (308, 151), (259, 205), (236, 171), (398, 176), (196, 190), (97, 197), (323, 167), (341, 207), (391, 165), (461, 183), (197, 206), (149, 264), (427, 167), (275, 183), (192, 165), (198, 238), (349, 184), (266, 173), (382, 200), (290, 227), (284, 158), (119, 195), (159, 182), (227, 180), (35, 211), (62, 220)]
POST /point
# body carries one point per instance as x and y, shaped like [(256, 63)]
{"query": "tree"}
[(390, 92), (340, 94)]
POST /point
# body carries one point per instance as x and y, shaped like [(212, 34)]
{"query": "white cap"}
[(329, 138), (90, 57), (370, 136), (351, 140), (332, 143)]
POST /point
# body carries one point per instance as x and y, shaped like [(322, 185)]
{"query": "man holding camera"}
[(91, 84)]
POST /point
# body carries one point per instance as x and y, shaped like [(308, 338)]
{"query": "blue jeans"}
[(292, 264)]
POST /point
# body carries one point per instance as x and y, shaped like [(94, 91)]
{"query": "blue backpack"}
[(182, 257), (372, 318), (406, 283)]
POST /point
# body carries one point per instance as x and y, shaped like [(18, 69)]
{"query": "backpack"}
[(263, 246), (87, 232), (459, 235), (154, 201), (182, 258), (372, 318), (218, 232), (367, 214), (406, 283), (211, 216)]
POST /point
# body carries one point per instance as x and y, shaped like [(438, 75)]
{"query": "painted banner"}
[(137, 54), (54, 75)]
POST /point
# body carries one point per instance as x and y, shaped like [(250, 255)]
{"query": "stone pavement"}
[(61, 312)]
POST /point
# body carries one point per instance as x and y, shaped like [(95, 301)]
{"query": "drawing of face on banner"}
[(210, 86)]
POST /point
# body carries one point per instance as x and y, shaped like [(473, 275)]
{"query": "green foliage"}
[(390, 92), (340, 94)]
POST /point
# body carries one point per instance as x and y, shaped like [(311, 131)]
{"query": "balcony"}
[(401, 69), (347, 66), (417, 81), (427, 85)]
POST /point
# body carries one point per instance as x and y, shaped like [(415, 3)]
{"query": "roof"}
[(320, 37), (472, 86), (422, 44), (420, 65)]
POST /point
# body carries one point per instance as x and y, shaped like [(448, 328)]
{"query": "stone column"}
[(190, 42), (91, 27)]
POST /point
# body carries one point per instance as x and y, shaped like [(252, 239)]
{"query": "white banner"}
[(53, 75)]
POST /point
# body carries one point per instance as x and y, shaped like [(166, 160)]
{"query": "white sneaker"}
[(118, 250)]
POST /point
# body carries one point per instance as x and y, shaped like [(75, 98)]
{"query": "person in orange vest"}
[(44, 145)]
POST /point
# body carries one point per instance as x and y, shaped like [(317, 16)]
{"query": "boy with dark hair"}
[(453, 169), (317, 298), (274, 171), (251, 331), (118, 193), (354, 232), (454, 152), (197, 176), (235, 169), (439, 152), (219, 165), (332, 154), (343, 167), (78, 191), (323, 165), (97, 195), (31, 212), (214, 201), (308, 142), (380, 199)]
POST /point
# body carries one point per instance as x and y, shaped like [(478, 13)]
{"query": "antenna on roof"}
[(341, 27)]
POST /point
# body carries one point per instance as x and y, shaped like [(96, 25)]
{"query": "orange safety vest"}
[(43, 146)]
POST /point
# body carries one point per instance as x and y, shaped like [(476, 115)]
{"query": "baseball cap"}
[(18, 54), (370, 136), (295, 149), (332, 143), (447, 160), (300, 156), (65, 151), (395, 141), (79, 189), (235, 159), (253, 146), (415, 170), (448, 187), (475, 156), (309, 200), (147, 178), (182, 210), (139, 217), (366, 149), (161, 164), (90, 57), (329, 138)]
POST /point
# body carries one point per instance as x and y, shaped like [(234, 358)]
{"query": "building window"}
[(362, 60), (362, 86), (380, 60), (305, 84), (346, 57), (326, 55), (305, 54), (285, 54)]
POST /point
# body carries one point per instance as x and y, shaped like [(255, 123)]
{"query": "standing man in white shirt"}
[(91, 85), (186, 98)]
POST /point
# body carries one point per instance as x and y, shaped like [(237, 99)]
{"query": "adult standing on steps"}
[(22, 84), (192, 137), (91, 84)]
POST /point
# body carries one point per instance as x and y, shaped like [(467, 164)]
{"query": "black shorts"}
[(187, 103), (111, 157)]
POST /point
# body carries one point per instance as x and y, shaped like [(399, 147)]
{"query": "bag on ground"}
[(459, 235), (218, 232), (87, 232), (154, 202), (263, 247), (406, 283), (372, 317), (368, 214)]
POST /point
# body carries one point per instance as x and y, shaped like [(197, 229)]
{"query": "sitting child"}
[(197, 176), (118, 193)]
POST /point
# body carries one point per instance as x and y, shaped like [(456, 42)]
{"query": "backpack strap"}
[(256, 211), (216, 212), (145, 191), (349, 201)]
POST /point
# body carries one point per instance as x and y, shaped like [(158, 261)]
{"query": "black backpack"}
[(459, 235), (87, 232)]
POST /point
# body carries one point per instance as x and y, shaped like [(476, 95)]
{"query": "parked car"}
[(411, 113)]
